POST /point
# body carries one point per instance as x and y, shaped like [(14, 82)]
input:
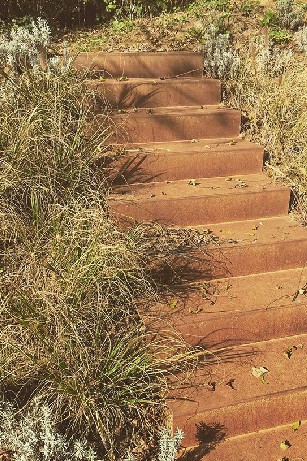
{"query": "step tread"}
[(255, 446), (187, 146), (142, 53), (205, 187), (169, 111), (152, 80), (154, 93), (256, 231), (170, 123), (194, 395), (231, 311), (204, 301), (142, 64), (184, 160)]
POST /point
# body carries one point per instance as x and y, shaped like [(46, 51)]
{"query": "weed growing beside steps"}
[(272, 96), (70, 280)]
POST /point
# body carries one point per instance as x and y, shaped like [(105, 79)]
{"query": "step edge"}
[(208, 109), (187, 319), (152, 80), (197, 197), (251, 434), (257, 399), (241, 149)]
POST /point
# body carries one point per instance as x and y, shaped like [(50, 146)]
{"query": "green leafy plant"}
[(248, 7), (269, 18), (280, 36)]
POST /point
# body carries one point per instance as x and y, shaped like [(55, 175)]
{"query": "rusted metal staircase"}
[(187, 166)]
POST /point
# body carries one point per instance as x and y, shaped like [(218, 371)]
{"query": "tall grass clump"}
[(271, 91), (69, 279)]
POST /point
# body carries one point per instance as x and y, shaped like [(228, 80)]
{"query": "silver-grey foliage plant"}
[(220, 59), (271, 60), (25, 48), (31, 435), (168, 445), (289, 15), (300, 38)]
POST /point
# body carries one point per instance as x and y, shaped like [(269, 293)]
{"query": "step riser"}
[(236, 328), (126, 95), (239, 261), (190, 211), (142, 65), (167, 166), (252, 447), (140, 128), (248, 417), (257, 258)]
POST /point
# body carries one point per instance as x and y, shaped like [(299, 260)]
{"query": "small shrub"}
[(300, 38), (26, 47), (168, 445), (248, 7), (220, 59), (288, 14), (280, 36), (270, 18), (31, 434), (269, 59)]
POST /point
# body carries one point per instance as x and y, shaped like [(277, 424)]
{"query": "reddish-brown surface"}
[(138, 92), (242, 299), (255, 446), (172, 124), (210, 200), (249, 404), (142, 65), (202, 158)]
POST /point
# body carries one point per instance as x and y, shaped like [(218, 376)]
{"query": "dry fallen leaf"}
[(260, 372), (285, 445), (296, 425)]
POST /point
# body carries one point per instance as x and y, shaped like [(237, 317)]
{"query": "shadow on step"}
[(131, 170), (131, 95), (190, 266), (209, 436), (202, 373)]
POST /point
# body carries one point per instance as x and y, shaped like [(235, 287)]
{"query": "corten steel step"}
[(149, 93), (211, 200), (254, 246), (142, 65), (254, 446), (166, 124), (205, 158), (277, 244), (226, 392), (242, 299), (219, 314)]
